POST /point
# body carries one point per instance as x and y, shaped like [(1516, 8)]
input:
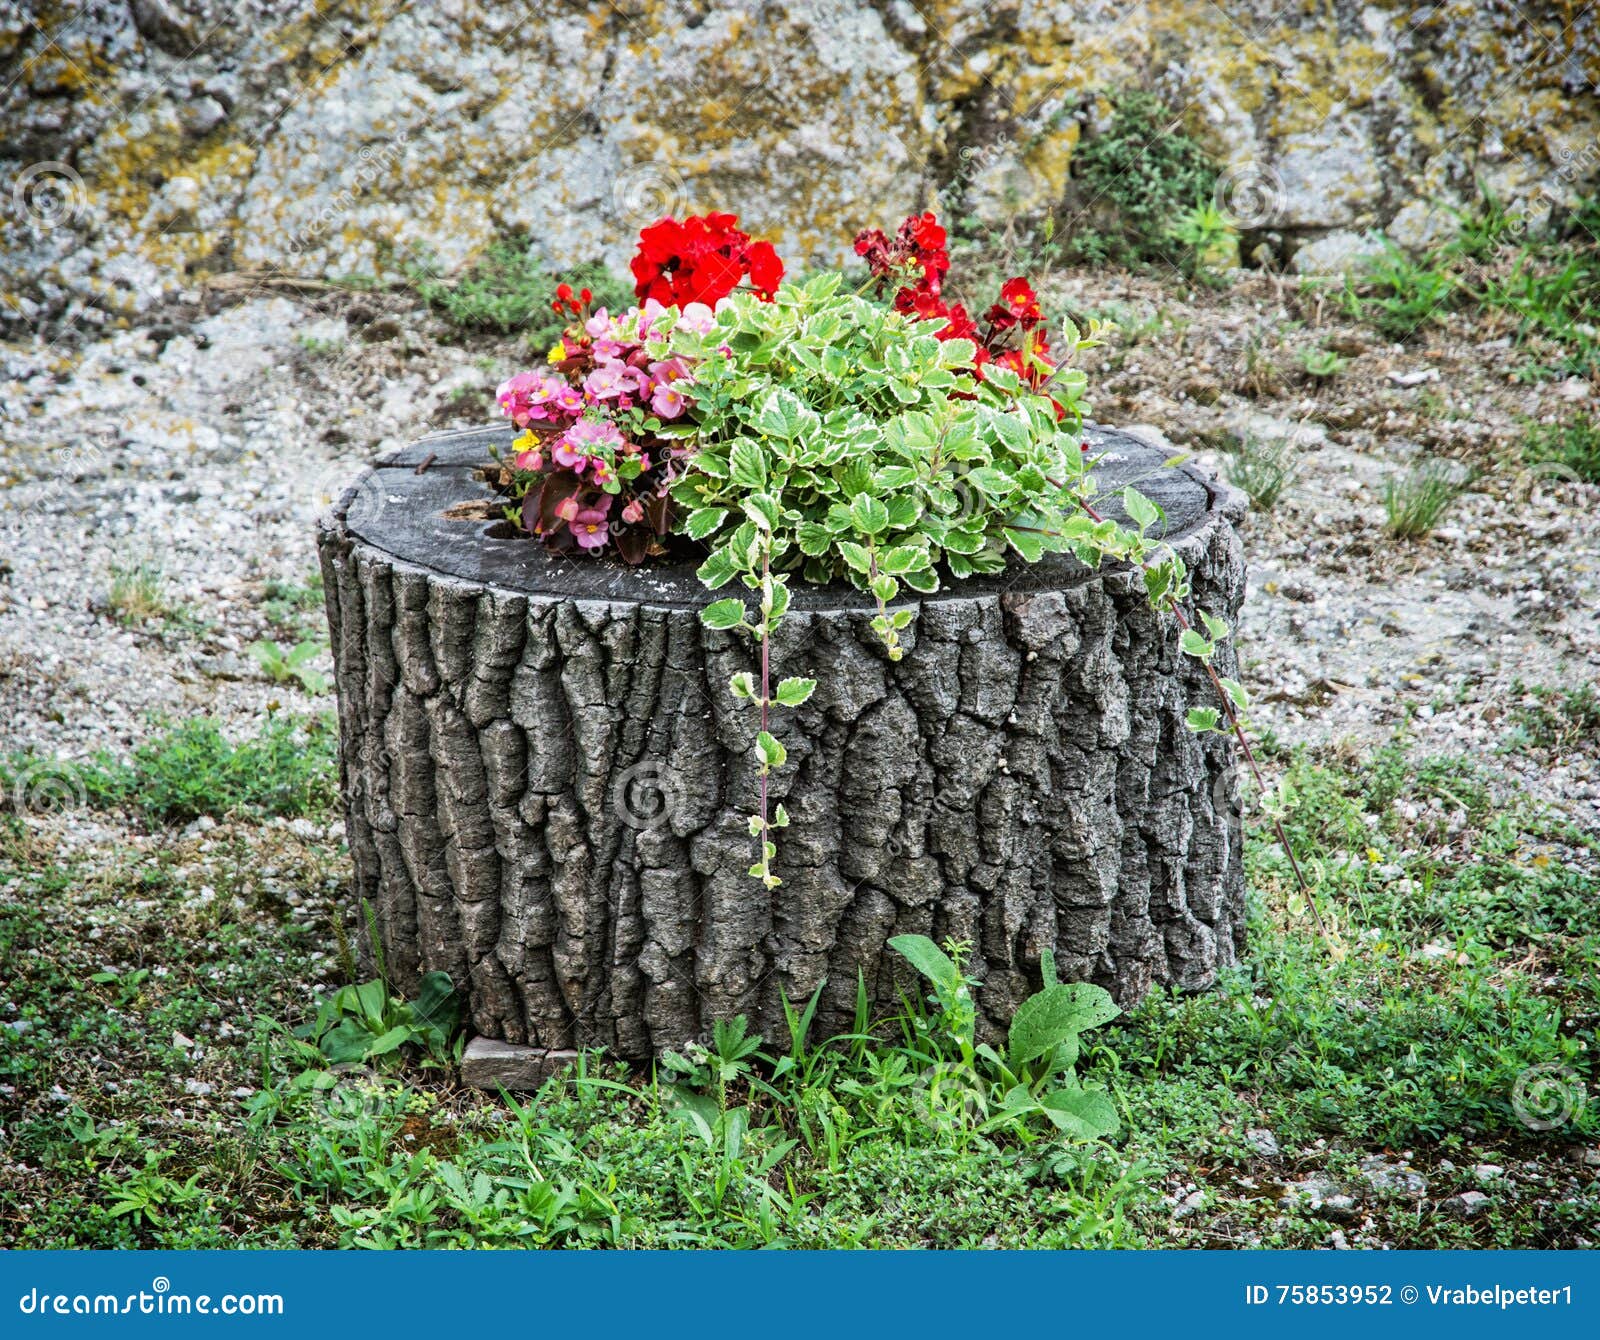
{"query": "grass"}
[(1553, 718), (137, 597), (1261, 471), (508, 288), (1573, 449), (1541, 289), (1141, 185), (189, 770), (1414, 502), (295, 608), (159, 1098)]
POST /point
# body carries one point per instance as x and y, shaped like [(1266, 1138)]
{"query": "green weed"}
[(1261, 470), (192, 769), (1414, 502), (509, 288), (1574, 447), (1143, 184)]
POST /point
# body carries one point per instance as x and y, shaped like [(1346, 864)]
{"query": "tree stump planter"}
[(547, 783)]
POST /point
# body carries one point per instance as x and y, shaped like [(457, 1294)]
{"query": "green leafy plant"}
[(293, 606), (1135, 177), (147, 1196), (192, 769), (1210, 239), (507, 289), (831, 444), (1033, 1077), (1401, 296), (359, 1024), (1322, 364), (285, 667), (1572, 447)]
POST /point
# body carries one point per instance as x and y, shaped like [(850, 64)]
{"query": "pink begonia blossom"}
[(697, 318), (530, 460), (578, 447), (633, 511), (590, 527), (525, 396), (668, 401), (668, 370), (608, 381)]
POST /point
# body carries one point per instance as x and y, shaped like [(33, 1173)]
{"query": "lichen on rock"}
[(337, 137)]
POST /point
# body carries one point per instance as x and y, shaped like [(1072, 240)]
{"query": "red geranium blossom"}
[(918, 257), (701, 259)]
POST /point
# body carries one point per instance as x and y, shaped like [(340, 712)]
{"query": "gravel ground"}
[(203, 444)]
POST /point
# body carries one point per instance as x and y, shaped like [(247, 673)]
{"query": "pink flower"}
[(589, 527), (633, 512), (568, 400), (600, 324), (667, 401), (698, 318), (530, 460), (608, 381), (582, 443), (524, 396)]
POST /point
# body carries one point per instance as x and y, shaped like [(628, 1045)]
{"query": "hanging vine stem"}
[(1236, 728), (770, 753)]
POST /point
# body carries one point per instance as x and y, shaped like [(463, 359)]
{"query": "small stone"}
[(1263, 1142), (182, 1040), (202, 116), (1388, 1178), (1466, 1205), (490, 1064), (197, 1087), (1488, 1172), (1325, 1197)]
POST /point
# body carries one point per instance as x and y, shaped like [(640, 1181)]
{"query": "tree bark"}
[(548, 784)]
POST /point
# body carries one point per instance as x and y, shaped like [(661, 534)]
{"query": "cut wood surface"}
[(548, 783)]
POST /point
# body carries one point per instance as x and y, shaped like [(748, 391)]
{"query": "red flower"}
[(1018, 305), (701, 259)]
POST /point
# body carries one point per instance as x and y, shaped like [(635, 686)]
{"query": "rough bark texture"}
[(548, 783)]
